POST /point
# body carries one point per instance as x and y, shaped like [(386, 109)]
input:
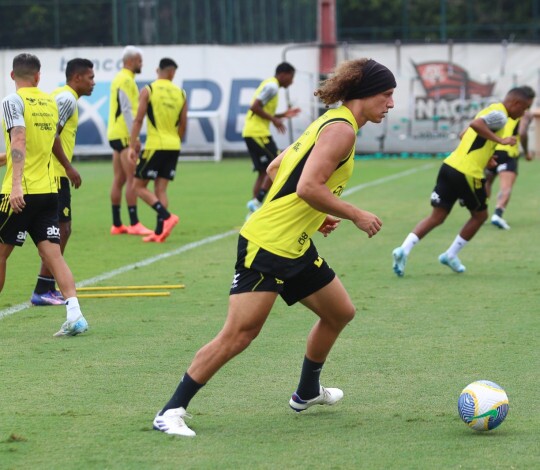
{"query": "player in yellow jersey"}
[(256, 132), (79, 82), (276, 255), (165, 107), (124, 99), (461, 177), (29, 199), (507, 157)]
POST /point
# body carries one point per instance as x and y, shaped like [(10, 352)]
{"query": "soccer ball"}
[(483, 405)]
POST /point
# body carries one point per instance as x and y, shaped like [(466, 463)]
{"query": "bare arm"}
[(182, 121), (18, 157), (273, 167), (134, 142), (58, 152), (524, 124), (334, 144), (257, 108), (482, 129), (3, 158)]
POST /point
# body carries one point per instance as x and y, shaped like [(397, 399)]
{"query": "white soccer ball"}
[(483, 405)]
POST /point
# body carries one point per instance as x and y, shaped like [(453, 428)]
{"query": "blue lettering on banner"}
[(195, 86), (236, 108)]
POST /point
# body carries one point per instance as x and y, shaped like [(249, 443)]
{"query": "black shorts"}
[(119, 144), (452, 185), (504, 163), (39, 219), (262, 151), (154, 164), (64, 199), (293, 279)]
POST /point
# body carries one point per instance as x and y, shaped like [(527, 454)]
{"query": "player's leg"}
[(118, 182), (246, 316), (5, 251), (506, 183)]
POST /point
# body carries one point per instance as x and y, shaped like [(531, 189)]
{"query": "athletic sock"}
[(159, 226), (73, 309), (309, 386), (133, 218), (409, 242), (499, 211), (117, 221), (456, 246), (162, 212), (186, 390), (44, 284), (261, 195)]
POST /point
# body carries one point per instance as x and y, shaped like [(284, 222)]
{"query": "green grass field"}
[(88, 402)]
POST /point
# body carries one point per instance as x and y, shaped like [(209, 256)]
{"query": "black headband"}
[(376, 78)]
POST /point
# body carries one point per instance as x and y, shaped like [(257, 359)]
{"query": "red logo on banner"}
[(448, 81)]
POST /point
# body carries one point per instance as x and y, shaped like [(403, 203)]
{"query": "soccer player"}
[(461, 177), (256, 132), (29, 199), (276, 255), (122, 109), (79, 82), (507, 157), (165, 107)]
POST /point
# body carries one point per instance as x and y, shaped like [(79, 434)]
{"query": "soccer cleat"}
[(168, 225), (138, 229), (58, 294), (253, 205), (118, 230), (498, 221), (327, 396), (48, 298), (400, 258), (73, 328), (453, 263), (172, 422), (154, 237)]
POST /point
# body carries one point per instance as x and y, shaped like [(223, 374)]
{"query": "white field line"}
[(190, 246)]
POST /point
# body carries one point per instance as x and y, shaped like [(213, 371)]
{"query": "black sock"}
[(162, 212), (44, 284), (262, 193), (499, 211), (186, 390), (159, 226), (309, 386), (117, 221), (133, 218)]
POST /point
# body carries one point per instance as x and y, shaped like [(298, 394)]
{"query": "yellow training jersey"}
[(473, 152), (123, 103), (68, 118), (510, 129), (37, 112), (285, 223), (267, 93), (166, 101)]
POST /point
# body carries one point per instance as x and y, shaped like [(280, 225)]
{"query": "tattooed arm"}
[(18, 155)]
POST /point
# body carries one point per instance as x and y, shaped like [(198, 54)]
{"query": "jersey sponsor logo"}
[(21, 236), (435, 197), (53, 232)]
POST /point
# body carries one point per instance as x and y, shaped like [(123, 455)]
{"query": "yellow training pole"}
[(174, 286), (124, 294)]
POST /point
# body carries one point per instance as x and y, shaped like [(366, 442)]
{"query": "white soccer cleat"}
[(253, 205), (172, 422), (73, 328), (453, 263), (328, 396), (499, 222), (400, 259)]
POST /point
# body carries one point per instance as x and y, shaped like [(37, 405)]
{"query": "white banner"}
[(440, 88)]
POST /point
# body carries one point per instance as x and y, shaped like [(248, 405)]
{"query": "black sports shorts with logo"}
[(452, 185), (293, 279), (39, 219)]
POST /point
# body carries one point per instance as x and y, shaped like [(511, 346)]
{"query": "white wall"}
[(223, 78)]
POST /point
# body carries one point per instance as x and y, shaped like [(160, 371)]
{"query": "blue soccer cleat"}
[(453, 263), (400, 259), (73, 328), (48, 298)]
